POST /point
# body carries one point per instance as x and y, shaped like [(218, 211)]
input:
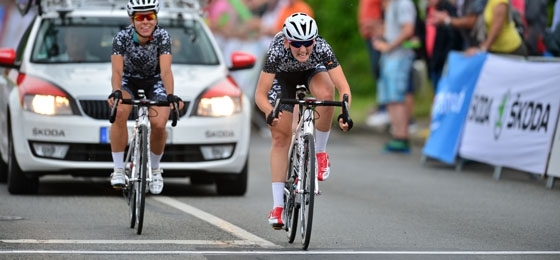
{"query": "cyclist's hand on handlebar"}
[(271, 120), (175, 99), (117, 94), (345, 124)]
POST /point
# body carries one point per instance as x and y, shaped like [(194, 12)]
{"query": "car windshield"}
[(89, 40)]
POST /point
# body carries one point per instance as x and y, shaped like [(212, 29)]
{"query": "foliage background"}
[(338, 24)]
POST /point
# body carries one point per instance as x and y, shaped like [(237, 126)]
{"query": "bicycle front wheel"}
[(130, 196), (308, 195), (290, 207), (141, 184)]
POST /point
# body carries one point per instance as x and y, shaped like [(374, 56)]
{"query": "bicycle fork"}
[(308, 128), (135, 160)]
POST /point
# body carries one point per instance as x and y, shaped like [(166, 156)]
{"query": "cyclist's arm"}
[(166, 73), (342, 86), (117, 67), (117, 63), (264, 84), (339, 79)]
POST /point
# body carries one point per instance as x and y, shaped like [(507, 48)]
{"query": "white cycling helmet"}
[(141, 6), (300, 27)]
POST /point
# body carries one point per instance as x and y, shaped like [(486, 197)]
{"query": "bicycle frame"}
[(142, 120), (306, 125)]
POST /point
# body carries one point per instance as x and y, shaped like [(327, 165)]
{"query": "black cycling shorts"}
[(286, 82), (153, 88)]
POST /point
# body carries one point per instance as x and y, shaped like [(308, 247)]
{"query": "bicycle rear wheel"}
[(308, 194), (290, 207), (140, 190)]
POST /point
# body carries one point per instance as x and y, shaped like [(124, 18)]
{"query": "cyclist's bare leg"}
[(158, 123), (119, 130), (322, 88), (281, 139)]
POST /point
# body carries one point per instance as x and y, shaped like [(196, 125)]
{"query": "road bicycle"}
[(138, 170), (301, 179)]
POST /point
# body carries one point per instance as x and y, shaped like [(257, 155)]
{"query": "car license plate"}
[(105, 134)]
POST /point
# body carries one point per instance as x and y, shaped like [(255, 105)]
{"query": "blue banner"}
[(451, 104)]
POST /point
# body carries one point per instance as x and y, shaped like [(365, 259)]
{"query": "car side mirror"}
[(7, 57), (242, 60)]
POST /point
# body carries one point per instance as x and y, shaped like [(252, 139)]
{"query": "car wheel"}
[(233, 185), (3, 170), (18, 182)]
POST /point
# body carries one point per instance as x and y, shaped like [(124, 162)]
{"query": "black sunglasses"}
[(298, 44)]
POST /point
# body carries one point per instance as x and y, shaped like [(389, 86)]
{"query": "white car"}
[(54, 117)]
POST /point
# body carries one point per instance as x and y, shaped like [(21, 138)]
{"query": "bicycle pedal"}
[(118, 187), (277, 226)]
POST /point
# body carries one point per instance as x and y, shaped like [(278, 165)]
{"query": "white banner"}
[(513, 113), (554, 160)]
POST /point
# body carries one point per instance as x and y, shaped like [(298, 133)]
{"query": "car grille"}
[(102, 153), (99, 109)]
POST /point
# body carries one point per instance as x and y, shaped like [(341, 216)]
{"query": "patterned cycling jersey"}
[(280, 59), (141, 61)]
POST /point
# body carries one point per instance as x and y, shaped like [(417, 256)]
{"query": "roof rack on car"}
[(65, 6)]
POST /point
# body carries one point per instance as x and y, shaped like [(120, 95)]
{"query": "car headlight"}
[(41, 97), (47, 105), (222, 99)]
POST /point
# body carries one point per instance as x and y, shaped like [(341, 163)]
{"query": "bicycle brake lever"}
[(275, 110), (114, 110), (175, 116)]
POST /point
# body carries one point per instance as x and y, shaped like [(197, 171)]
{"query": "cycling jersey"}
[(280, 59), (289, 72), (141, 61)]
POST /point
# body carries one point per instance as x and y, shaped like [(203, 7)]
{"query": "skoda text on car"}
[(54, 112)]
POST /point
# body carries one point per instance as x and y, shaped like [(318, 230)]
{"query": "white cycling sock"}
[(278, 194), (118, 160), (321, 139), (154, 158)]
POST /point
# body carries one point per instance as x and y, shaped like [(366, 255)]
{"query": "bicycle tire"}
[(130, 161), (308, 194), (141, 185), (128, 192), (290, 207)]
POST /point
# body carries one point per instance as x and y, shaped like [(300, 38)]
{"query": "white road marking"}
[(130, 242), (299, 252), (246, 238), (218, 222)]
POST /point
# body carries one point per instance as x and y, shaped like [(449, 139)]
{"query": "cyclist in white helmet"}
[(298, 56), (141, 59)]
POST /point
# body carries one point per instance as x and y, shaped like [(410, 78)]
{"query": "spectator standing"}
[(370, 25), (292, 7), (501, 35), (439, 39), (467, 12), (395, 67)]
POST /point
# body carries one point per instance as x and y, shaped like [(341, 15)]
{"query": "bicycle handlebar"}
[(148, 103), (313, 102)]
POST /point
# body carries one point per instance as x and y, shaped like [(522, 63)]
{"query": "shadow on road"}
[(80, 186)]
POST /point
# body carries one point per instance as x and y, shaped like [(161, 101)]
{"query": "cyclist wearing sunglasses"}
[(298, 56), (141, 59)]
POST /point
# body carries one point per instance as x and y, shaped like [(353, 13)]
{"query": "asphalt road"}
[(374, 206)]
